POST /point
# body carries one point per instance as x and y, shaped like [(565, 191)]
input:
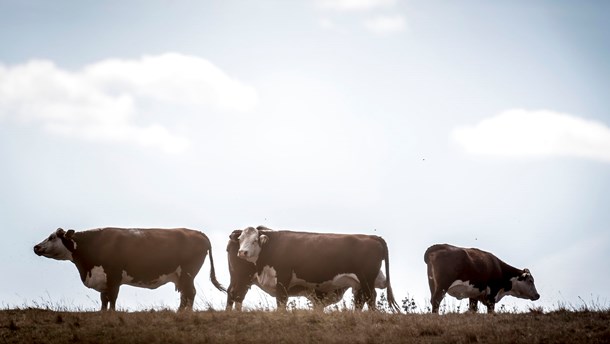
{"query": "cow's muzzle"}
[(242, 253), (38, 250), (536, 297)]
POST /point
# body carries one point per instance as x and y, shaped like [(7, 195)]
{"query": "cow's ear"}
[(60, 232), (235, 235), (527, 271), (263, 239), (69, 233)]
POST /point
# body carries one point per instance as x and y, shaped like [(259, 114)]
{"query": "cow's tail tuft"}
[(213, 272), (390, 295)]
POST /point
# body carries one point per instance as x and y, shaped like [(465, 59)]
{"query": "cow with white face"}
[(148, 258), (319, 264), (474, 274), (243, 276)]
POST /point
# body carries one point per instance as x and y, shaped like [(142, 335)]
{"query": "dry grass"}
[(46, 326)]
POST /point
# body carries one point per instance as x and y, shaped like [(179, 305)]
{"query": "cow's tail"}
[(213, 272), (390, 295)]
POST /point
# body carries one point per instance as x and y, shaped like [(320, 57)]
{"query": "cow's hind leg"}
[(187, 291), (436, 298)]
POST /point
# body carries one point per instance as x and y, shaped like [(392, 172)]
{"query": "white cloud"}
[(353, 5), (102, 101), (523, 133), (386, 24)]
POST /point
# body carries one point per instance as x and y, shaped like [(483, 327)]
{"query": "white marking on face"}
[(463, 289), (249, 245), (53, 247), (523, 289), (96, 279)]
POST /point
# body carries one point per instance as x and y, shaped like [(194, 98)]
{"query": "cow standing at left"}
[(106, 258)]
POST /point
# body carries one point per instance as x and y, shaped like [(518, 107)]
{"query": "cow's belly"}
[(267, 281), (97, 279), (463, 289), (153, 283)]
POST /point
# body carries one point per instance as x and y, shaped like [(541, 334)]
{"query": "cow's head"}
[(523, 286), (59, 245), (250, 243)]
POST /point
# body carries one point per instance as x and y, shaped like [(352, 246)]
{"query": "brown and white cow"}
[(243, 276), (106, 258), (318, 262), (474, 274)]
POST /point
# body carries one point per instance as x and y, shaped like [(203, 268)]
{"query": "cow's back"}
[(321, 256)]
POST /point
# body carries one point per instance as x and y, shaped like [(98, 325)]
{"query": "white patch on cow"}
[(173, 277), (267, 280), (463, 289), (96, 279)]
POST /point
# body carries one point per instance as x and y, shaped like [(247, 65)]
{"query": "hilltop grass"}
[(301, 326)]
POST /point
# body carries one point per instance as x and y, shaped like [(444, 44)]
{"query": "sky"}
[(475, 123)]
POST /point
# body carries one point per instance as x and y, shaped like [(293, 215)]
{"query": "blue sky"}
[(473, 123)]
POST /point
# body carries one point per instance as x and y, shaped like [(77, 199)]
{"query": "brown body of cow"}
[(106, 258), (319, 262), (474, 274), (243, 276)]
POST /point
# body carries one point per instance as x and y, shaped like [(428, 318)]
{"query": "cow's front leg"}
[(473, 305), (104, 299), (113, 282), (490, 302)]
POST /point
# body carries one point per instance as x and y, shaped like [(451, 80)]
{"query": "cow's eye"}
[(50, 237)]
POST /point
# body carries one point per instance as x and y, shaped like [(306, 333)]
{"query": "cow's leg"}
[(490, 307), (372, 299), (281, 297), (104, 298), (473, 305), (359, 299), (187, 291), (490, 302), (436, 293), (112, 294), (436, 298), (229, 298)]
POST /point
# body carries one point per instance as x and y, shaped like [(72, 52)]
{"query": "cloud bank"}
[(102, 101), (542, 133)]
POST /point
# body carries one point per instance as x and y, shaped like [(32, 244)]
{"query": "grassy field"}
[(46, 326)]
